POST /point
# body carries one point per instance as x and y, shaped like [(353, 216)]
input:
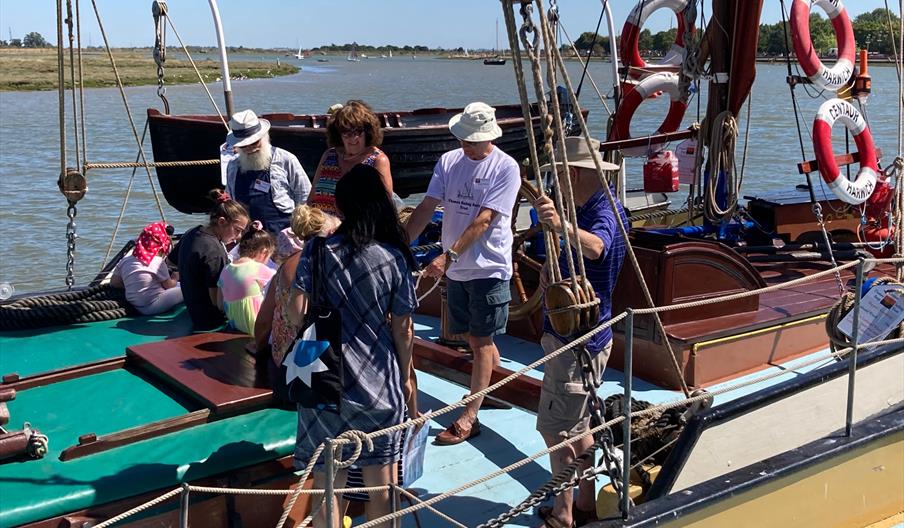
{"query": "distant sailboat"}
[(390, 54), (299, 55), (353, 54), (496, 60)]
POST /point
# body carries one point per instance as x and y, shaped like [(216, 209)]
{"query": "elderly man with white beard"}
[(268, 180)]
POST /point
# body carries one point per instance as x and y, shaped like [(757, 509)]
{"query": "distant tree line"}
[(31, 40), (871, 30)]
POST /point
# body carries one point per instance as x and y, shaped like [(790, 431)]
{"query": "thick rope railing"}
[(140, 508), (358, 436), (438, 513), (150, 164)]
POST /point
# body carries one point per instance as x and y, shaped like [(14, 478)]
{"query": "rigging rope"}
[(125, 201), (596, 88), (69, 24), (596, 35), (621, 226), (125, 103), (197, 72)]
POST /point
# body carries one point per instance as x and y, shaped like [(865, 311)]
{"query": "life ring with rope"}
[(826, 78), (860, 189), (667, 83), (630, 37)]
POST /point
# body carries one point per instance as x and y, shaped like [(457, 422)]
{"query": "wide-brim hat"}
[(246, 128), (579, 156), (476, 123)]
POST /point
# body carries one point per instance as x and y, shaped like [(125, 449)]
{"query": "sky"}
[(310, 23)]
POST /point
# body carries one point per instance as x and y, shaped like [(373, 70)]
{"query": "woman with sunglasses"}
[(354, 137)]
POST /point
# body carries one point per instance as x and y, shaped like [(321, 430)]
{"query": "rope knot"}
[(358, 438)]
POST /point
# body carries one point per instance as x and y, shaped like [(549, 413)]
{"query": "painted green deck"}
[(29, 352)]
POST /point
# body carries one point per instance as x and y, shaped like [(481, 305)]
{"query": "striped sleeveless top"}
[(323, 196)]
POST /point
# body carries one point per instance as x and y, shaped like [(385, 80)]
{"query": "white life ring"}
[(862, 187), (826, 78), (652, 85), (630, 36)]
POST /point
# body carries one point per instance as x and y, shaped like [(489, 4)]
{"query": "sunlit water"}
[(33, 213)]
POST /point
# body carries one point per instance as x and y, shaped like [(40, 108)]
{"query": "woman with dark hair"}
[(354, 136), (201, 257), (366, 274)]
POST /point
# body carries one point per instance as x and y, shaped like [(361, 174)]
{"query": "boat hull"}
[(413, 141)]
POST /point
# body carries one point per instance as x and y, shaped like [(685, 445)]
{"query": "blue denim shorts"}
[(478, 307)]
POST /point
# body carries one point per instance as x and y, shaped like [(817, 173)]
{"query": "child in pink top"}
[(149, 286), (243, 282)]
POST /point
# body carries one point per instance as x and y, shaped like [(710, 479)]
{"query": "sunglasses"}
[(352, 133)]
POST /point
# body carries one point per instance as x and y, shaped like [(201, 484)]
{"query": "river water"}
[(33, 213)]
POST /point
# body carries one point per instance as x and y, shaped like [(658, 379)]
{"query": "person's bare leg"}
[(586, 500), (563, 502), (380, 503), (486, 356), (320, 483)]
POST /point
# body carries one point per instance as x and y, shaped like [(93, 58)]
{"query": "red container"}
[(660, 173)]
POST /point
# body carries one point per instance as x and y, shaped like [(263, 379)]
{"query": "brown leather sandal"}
[(455, 434)]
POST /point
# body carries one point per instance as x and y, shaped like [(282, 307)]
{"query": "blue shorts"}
[(478, 307)]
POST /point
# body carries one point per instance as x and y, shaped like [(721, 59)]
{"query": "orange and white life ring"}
[(821, 76), (660, 82), (630, 36), (862, 187)]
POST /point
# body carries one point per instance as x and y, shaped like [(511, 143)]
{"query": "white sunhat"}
[(476, 123), (579, 156), (245, 128)]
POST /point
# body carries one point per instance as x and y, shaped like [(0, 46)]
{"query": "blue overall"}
[(260, 203)]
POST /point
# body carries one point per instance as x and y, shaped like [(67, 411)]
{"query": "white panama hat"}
[(579, 156), (245, 128), (476, 123)]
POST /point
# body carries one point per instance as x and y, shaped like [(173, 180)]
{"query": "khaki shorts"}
[(564, 410)]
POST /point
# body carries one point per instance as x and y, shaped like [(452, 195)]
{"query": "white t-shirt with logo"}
[(464, 186)]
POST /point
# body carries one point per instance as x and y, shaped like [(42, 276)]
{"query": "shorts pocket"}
[(567, 408), (500, 293)]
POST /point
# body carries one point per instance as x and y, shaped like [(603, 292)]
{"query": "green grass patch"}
[(37, 69)]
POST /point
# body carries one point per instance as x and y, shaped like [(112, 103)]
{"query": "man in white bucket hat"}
[(564, 410), (477, 186), (268, 180)]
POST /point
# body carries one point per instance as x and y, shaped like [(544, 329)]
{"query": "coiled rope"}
[(98, 303)]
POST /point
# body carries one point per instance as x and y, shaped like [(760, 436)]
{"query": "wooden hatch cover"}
[(213, 368)]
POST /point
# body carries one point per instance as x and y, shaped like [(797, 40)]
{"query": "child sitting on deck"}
[(146, 279), (243, 282)]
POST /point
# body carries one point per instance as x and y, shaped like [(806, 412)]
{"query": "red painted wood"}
[(213, 368)]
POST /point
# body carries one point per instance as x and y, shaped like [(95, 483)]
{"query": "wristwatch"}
[(451, 256)]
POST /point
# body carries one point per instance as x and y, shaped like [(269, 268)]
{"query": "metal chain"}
[(569, 476), (592, 381), (817, 211), (159, 10), (563, 481), (71, 236)]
